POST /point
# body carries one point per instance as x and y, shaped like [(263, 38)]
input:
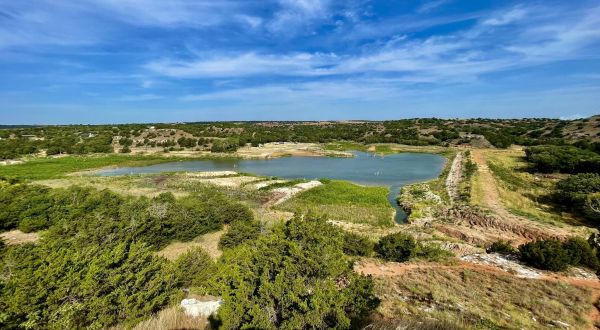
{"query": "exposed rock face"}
[(505, 263), (196, 308), (478, 227)]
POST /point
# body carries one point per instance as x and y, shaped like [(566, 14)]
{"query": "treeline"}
[(97, 216), (80, 139), (564, 159), (579, 192)]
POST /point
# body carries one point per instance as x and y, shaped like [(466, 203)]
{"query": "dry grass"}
[(16, 237), (483, 298), (208, 242), (170, 319), (521, 192)]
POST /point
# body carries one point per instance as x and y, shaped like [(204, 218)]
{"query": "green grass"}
[(384, 149), (345, 201), (345, 145), (52, 168)]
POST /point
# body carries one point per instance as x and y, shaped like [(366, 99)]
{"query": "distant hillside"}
[(228, 136)]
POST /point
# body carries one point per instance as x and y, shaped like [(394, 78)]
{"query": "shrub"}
[(295, 278), (501, 247), (433, 253), (581, 193), (547, 254), (238, 233), (195, 268), (357, 245), (397, 247), (581, 253), (62, 286)]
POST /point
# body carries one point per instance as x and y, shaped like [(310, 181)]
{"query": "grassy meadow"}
[(345, 201), (521, 192)]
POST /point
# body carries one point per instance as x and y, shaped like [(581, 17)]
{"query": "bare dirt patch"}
[(16, 237)]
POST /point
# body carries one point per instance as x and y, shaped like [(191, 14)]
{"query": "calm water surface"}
[(393, 171)]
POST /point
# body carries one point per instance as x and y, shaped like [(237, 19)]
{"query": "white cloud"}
[(506, 17), (461, 57), (245, 64), (295, 14), (572, 117)]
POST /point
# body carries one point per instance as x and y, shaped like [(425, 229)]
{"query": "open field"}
[(523, 193)]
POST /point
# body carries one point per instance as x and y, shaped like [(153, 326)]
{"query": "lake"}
[(393, 171)]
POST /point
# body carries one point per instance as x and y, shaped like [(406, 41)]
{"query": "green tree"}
[(397, 247), (357, 245), (295, 278), (238, 233), (195, 268), (546, 254)]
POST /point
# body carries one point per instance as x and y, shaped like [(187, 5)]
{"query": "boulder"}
[(195, 308)]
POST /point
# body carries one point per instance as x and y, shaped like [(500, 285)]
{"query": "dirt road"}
[(491, 197)]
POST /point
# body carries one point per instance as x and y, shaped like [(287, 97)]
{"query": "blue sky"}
[(114, 61)]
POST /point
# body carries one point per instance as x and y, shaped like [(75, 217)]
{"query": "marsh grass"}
[(52, 168), (345, 145), (345, 201)]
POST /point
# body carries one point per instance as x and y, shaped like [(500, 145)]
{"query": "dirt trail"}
[(454, 176), (491, 200), (491, 197)]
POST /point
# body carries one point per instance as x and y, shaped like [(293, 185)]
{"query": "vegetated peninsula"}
[(264, 225)]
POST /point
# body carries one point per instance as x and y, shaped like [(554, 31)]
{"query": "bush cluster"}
[(357, 245), (552, 254), (580, 193), (564, 159), (297, 277), (401, 247)]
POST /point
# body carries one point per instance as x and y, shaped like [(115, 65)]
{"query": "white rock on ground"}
[(289, 192), (502, 262), (210, 174), (193, 307)]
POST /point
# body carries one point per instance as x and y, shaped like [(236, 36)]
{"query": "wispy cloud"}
[(295, 14), (431, 5), (245, 64), (140, 98), (462, 56)]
